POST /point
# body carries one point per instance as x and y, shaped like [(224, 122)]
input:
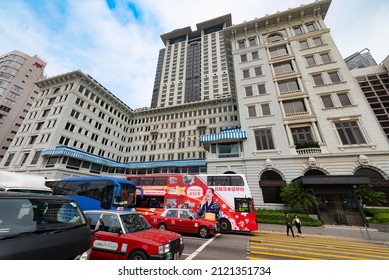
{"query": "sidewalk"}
[(340, 232)]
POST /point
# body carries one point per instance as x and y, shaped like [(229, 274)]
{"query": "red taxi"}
[(182, 220), (125, 235)]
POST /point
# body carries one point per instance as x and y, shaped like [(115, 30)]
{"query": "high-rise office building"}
[(193, 66), (18, 74), (360, 59), (374, 83)]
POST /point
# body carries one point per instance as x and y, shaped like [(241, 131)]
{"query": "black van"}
[(42, 227)]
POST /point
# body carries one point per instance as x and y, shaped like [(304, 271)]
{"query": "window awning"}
[(73, 153), (227, 135)]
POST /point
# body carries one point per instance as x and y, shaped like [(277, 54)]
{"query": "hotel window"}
[(278, 51), (318, 79), (304, 44), (344, 99), (334, 76), (301, 134), (243, 58), (249, 91), (317, 41), (9, 159), (254, 55), (298, 30), (252, 42), (261, 89), (349, 132), (295, 106), (310, 61), (258, 71), (310, 26), (264, 139), (242, 44), (36, 157), (286, 86), (283, 67), (325, 58), (24, 158), (327, 101), (265, 109), (252, 111), (246, 73)]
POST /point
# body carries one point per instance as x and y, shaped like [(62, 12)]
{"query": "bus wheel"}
[(162, 226), (225, 226), (138, 256), (203, 232)]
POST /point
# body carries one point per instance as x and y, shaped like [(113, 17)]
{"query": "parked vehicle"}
[(42, 227), (22, 182), (183, 221), (126, 235)]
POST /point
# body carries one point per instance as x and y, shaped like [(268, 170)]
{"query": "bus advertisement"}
[(96, 193), (224, 197)]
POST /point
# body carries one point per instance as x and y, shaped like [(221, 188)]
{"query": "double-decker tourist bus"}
[(94, 193), (232, 203)]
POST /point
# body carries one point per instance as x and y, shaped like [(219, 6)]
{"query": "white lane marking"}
[(195, 253)]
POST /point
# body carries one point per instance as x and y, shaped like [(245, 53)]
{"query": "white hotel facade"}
[(245, 98)]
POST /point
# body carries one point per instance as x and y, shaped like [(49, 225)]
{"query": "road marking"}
[(195, 253)]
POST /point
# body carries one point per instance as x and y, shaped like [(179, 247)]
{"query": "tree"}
[(369, 196), (296, 197)]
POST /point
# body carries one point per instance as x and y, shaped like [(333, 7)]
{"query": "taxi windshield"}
[(134, 222)]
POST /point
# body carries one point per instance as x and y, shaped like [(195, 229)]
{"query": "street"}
[(277, 246)]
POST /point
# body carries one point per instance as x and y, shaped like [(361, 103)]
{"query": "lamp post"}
[(361, 212)]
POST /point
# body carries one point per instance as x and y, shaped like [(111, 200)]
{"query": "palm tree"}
[(296, 197), (369, 196)]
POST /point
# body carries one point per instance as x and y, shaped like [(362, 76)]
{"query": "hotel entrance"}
[(338, 201)]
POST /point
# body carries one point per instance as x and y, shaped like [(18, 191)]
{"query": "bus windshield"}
[(125, 196)]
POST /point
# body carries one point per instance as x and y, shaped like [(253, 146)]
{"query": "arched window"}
[(271, 183), (274, 38)]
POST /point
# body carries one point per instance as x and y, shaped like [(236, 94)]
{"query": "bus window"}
[(160, 181), (243, 204), (236, 181), (150, 201), (146, 181)]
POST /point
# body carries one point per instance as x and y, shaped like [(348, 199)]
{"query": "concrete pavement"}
[(334, 231)]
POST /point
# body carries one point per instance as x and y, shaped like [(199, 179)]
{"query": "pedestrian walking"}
[(289, 225), (297, 223)]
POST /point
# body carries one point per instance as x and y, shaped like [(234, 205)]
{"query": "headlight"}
[(181, 241), (163, 249), (84, 256)]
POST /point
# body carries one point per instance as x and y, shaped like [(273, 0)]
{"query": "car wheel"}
[(162, 226), (138, 255), (203, 232), (225, 226)]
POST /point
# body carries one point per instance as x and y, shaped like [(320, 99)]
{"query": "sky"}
[(117, 41)]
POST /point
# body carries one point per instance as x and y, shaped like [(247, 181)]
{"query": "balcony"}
[(308, 148), (308, 151)]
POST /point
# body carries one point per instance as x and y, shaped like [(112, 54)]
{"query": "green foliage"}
[(370, 196), (266, 216), (308, 144), (380, 218), (295, 197), (379, 215)]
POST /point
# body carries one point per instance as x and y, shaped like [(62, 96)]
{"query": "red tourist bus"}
[(229, 197)]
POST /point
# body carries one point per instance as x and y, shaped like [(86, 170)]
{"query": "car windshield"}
[(134, 222), (33, 215)]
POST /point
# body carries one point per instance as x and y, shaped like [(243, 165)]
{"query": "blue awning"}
[(227, 135), (73, 153)]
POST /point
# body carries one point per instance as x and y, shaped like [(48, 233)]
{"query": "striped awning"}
[(226, 135), (73, 153)]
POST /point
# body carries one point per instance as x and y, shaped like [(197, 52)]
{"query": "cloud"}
[(117, 41)]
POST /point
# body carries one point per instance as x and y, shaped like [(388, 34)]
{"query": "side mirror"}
[(191, 218)]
